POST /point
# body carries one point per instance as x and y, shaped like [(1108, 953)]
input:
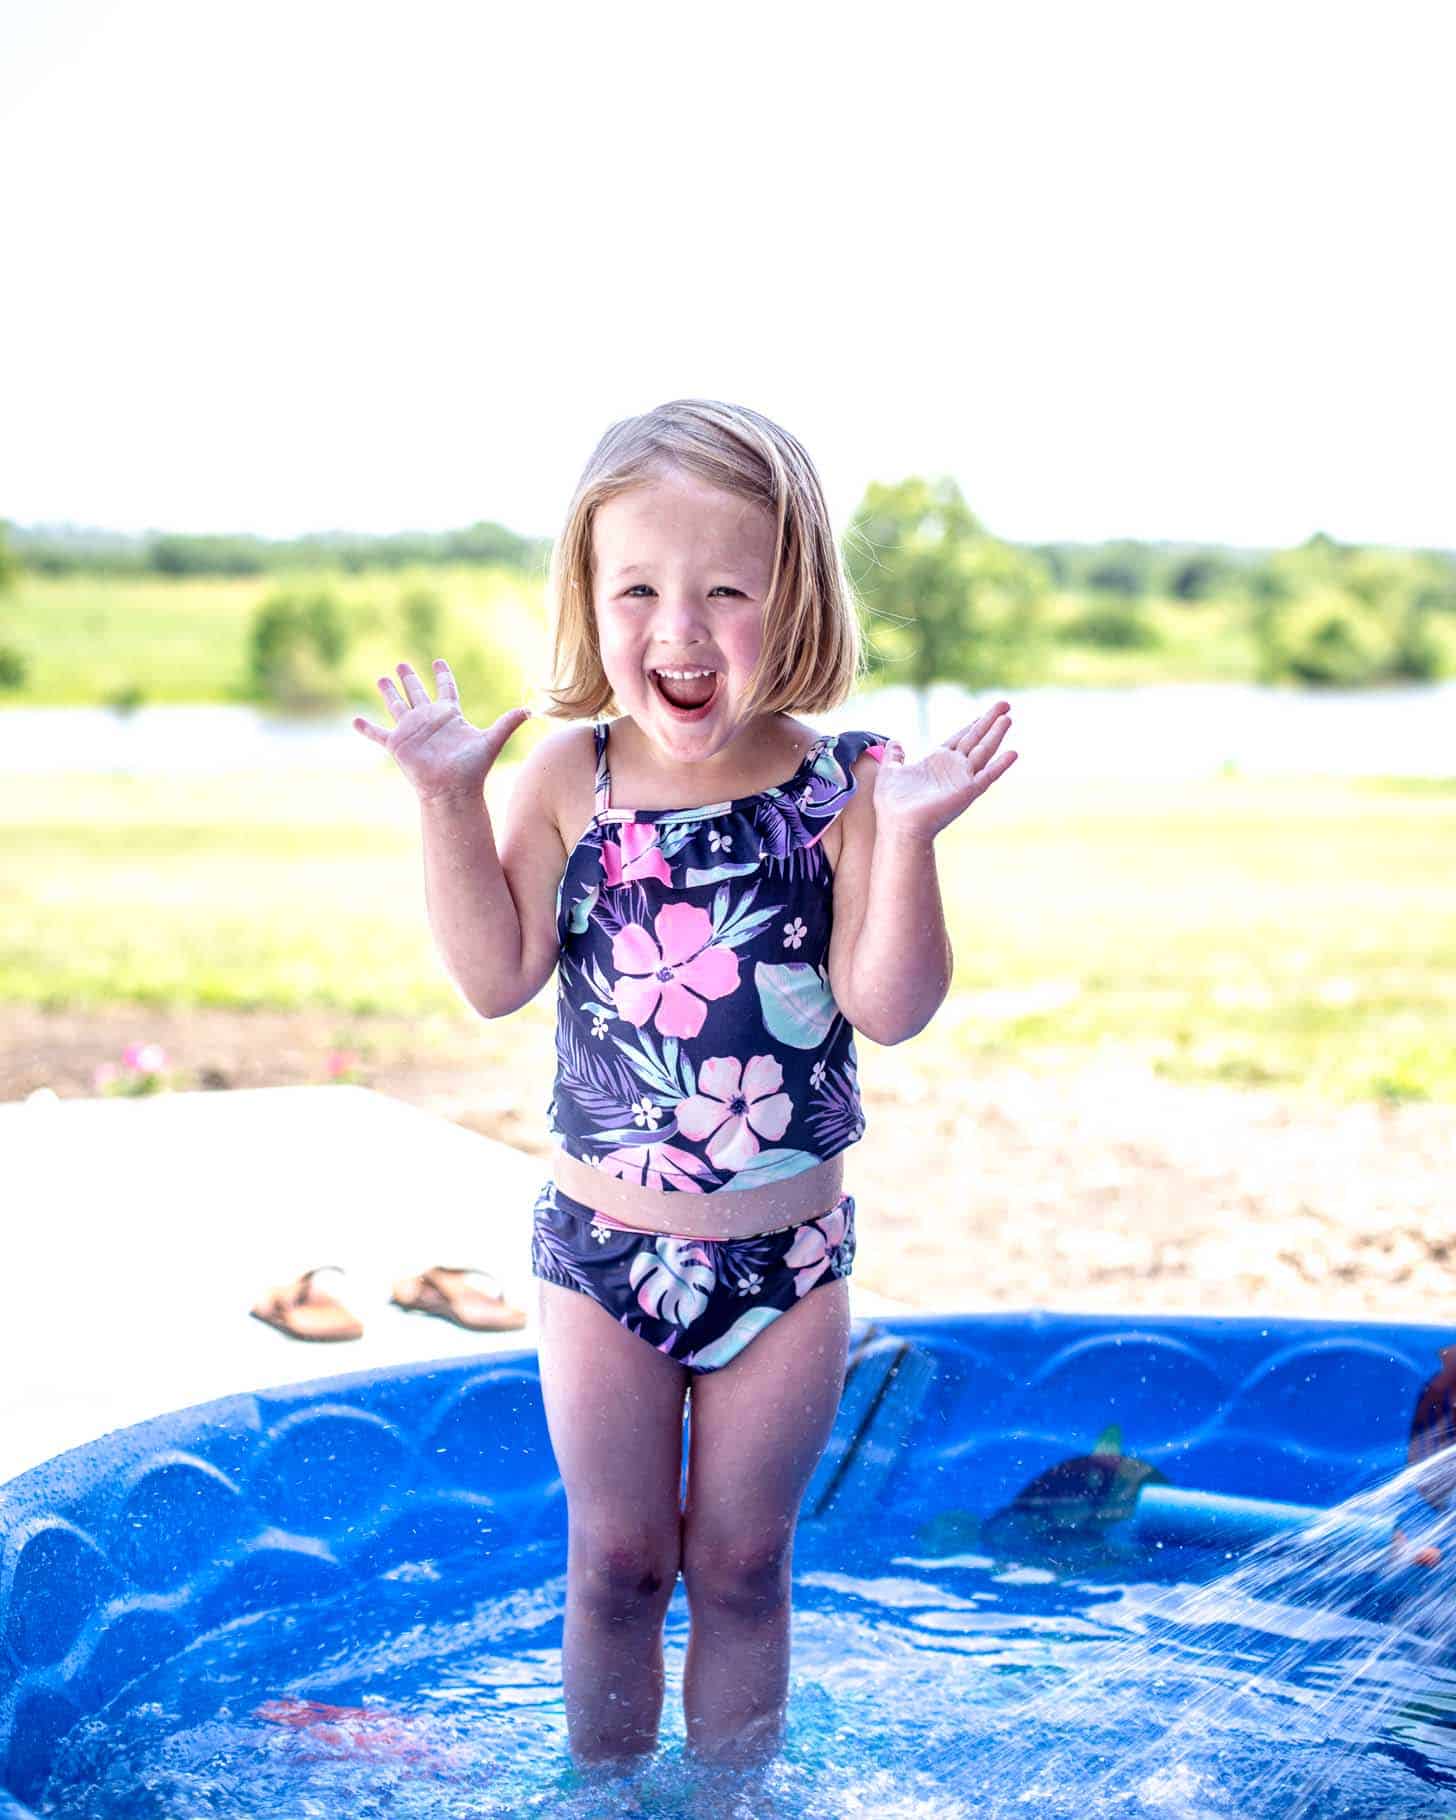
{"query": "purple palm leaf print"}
[(594, 1080), (835, 1118)]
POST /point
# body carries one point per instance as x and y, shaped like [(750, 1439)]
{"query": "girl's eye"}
[(722, 588)]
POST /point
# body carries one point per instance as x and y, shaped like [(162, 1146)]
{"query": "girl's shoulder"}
[(849, 745), (561, 767)]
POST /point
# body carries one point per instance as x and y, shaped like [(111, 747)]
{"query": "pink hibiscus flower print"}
[(675, 974), (636, 855), (815, 1243), (732, 1104)]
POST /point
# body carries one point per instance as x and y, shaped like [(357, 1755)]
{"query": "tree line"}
[(945, 600), (71, 550), (949, 602)]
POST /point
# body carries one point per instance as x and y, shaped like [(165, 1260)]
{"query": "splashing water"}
[(1309, 1681), (1331, 1648)]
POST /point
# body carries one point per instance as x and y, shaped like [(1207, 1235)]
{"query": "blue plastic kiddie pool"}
[(1048, 1565)]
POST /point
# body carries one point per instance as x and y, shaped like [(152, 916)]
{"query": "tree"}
[(957, 604)]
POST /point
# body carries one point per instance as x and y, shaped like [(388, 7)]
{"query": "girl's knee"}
[(746, 1580), (621, 1574)]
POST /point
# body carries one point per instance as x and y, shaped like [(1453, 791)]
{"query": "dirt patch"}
[(1087, 1187)]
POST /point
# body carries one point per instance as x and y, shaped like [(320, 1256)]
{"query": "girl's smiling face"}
[(680, 576)]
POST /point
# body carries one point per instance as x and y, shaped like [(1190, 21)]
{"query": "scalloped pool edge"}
[(118, 1554)]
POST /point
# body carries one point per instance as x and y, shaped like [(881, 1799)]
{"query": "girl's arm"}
[(890, 957), (898, 961), (493, 913)]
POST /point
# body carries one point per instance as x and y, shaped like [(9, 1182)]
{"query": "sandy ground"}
[(1093, 1187)]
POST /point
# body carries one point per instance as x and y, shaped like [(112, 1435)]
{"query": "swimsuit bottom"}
[(700, 1301)]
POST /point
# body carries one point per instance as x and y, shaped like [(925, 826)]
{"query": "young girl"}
[(727, 896)]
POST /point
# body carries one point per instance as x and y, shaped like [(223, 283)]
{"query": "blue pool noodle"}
[(1177, 1518)]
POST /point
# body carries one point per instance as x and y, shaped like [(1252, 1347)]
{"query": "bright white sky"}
[(1158, 270)]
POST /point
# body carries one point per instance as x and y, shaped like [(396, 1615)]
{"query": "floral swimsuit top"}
[(698, 1043)]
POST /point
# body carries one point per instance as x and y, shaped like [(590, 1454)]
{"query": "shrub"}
[(297, 645), (1116, 626), (178, 554), (420, 618), (1202, 576), (1120, 568), (1326, 636)]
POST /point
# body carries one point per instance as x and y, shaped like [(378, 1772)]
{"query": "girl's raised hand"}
[(438, 750), (920, 799)]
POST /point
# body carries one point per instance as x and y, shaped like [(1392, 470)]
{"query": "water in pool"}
[(1308, 1680)]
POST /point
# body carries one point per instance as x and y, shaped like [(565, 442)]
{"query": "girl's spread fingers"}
[(969, 735), (988, 743)]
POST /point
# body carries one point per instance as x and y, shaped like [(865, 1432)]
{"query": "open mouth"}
[(688, 694)]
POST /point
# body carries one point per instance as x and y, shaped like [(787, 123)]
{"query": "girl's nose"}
[(679, 616)]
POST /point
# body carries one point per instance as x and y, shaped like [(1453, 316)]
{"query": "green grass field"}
[(1297, 934), (86, 639)]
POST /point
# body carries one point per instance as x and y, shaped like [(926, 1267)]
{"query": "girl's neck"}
[(761, 754)]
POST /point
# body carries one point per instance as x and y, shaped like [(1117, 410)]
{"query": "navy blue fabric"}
[(699, 1048), (699, 1301)]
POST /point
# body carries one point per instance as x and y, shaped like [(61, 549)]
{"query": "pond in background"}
[(1162, 730)]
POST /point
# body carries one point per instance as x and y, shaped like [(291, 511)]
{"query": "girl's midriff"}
[(740, 1214)]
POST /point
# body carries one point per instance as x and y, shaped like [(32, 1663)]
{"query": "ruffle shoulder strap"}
[(830, 780)]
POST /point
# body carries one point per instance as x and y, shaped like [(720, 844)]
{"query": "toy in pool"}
[(355, 1731), (126, 1555)]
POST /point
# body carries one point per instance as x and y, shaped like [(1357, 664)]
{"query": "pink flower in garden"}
[(146, 1058), (679, 969), (636, 855), (808, 1256), (733, 1102)]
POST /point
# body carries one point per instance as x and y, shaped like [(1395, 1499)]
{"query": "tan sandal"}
[(306, 1313), (458, 1296)]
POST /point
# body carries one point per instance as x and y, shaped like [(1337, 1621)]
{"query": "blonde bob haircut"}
[(812, 653)]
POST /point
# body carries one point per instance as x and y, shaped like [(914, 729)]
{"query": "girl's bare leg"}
[(614, 1407), (758, 1428)]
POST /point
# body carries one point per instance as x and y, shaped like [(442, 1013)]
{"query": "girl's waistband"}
[(565, 1203)]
